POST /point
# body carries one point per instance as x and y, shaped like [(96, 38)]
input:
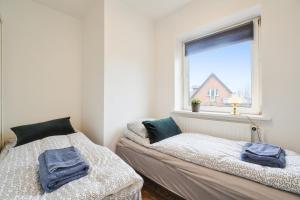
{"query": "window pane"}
[(217, 74)]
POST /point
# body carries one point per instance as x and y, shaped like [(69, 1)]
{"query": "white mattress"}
[(192, 181), (224, 155), (109, 176)]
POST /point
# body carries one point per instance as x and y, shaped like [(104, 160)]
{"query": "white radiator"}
[(223, 129)]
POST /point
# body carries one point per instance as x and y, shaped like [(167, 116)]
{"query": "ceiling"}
[(75, 8), (156, 8), (152, 8)]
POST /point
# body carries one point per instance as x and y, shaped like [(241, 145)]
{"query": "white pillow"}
[(136, 138), (138, 128)]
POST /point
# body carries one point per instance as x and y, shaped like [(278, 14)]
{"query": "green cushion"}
[(161, 129), (32, 132)]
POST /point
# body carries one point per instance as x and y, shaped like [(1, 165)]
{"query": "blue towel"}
[(57, 159), (52, 181), (261, 154), (262, 149)]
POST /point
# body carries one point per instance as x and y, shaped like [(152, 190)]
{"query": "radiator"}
[(223, 129)]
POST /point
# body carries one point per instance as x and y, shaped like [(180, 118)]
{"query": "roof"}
[(212, 75)]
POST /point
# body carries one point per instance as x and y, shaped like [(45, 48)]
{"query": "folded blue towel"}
[(57, 159), (52, 181), (269, 158), (262, 149)]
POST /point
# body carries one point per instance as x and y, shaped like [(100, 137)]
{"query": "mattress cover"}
[(192, 181), (109, 176), (224, 155)]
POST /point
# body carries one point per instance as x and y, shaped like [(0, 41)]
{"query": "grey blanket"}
[(263, 154), (60, 166)]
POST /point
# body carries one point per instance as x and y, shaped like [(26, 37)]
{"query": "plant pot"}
[(195, 107)]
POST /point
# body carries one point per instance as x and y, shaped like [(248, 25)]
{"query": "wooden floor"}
[(153, 191)]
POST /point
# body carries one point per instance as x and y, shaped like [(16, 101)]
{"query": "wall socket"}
[(255, 133), (254, 129)]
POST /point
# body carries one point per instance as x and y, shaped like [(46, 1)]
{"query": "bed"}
[(191, 180), (109, 176)]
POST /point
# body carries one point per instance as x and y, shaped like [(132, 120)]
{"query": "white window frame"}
[(255, 71)]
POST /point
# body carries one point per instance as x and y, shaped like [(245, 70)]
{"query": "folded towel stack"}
[(264, 154), (60, 166)]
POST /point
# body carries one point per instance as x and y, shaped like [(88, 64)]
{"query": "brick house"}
[(212, 92)]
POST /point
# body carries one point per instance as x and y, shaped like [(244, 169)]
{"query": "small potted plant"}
[(195, 105)]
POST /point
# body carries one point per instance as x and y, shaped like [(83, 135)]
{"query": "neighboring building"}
[(212, 92)]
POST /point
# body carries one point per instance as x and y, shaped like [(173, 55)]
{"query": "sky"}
[(231, 64)]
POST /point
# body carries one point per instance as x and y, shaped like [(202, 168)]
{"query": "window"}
[(212, 95), (221, 65)]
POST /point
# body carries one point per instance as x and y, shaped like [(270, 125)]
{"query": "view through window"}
[(218, 73)]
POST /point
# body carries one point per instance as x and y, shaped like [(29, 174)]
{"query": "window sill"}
[(221, 116)]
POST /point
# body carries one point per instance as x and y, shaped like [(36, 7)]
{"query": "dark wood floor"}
[(153, 191)]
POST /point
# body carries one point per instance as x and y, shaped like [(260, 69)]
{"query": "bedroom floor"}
[(153, 191)]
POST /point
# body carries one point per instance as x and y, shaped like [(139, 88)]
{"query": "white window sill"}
[(221, 116)]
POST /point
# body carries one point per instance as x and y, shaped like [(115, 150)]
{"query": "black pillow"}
[(161, 129), (32, 132)]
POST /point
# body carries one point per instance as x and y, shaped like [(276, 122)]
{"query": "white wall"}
[(55, 65), (128, 87), (1, 138), (93, 72), (41, 63), (279, 59), (117, 70)]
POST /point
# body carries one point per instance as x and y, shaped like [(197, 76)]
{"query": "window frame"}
[(255, 71)]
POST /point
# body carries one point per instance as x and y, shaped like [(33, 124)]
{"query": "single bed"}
[(192, 181), (109, 177)]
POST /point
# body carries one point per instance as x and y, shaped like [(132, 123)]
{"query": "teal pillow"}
[(32, 132), (161, 129)]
